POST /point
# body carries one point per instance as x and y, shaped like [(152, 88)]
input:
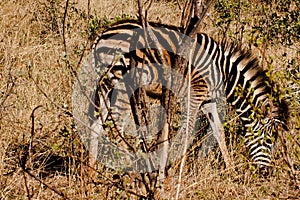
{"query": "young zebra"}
[(216, 70)]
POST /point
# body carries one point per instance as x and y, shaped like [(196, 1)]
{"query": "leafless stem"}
[(187, 125), (9, 87), (32, 132), (26, 185), (64, 27), (185, 15), (149, 5), (65, 42), (61, 194), (200, 10), (88, 9), (179, 4)]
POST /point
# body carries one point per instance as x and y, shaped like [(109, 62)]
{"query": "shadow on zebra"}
[(125, 133)]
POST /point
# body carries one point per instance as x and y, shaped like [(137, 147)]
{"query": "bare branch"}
[(64, 26), (187, 130), (9, 88), (179, 5), (186, 14), (58, 192), (199, 9), (149, 5), (29, 196)]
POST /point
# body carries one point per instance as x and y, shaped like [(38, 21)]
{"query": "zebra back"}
[(217, 70)]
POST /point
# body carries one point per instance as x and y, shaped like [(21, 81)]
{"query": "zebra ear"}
[(266, 108)]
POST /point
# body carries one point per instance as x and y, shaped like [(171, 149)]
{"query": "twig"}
[(200, 12), (32, 131), (148, 7), (184, 14), (65, 42), (67, 62), (42, 182), (88, 10), (9, 87), (26, 185), (179, 4), (190, 30), (187, 126), (64, 27)]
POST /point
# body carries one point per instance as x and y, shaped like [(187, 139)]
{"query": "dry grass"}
[(34, 72)]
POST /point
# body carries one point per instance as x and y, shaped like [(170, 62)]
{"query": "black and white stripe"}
[(217, 70)]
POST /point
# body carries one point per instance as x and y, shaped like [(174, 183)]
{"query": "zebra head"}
[(262, 133)]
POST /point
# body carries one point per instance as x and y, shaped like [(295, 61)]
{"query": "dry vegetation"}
[(41, 156)]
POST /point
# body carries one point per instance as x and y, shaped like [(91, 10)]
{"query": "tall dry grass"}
[(41, 155)]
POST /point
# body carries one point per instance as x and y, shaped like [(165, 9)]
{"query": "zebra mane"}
[(238, 50), (153, 24), (278, 105)]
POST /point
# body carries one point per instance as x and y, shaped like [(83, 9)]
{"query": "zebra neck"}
[(244, 80)]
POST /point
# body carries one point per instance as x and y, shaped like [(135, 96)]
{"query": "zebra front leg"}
[(210, 109)]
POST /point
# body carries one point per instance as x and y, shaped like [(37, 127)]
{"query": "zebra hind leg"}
[(210, 109)]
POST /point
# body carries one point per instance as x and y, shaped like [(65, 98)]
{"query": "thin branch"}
[(26, 185), (65, 42), (32, 132), (185, 14), (88, 9), (140, 11), (197, 13), (102, 93), (64, 27), (148, 33), (187, 130), (9, 87), (200, 11), (179, 4), (149, 5), (60, 193)]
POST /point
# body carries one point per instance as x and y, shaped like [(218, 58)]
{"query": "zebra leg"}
[(96, 127), (93, 147), (210, 109), (163, 154)]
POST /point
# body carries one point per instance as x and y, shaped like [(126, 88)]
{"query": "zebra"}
[(118, 64), (218, 69)]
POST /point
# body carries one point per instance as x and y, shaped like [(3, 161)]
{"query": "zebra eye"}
[(269, 141)]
